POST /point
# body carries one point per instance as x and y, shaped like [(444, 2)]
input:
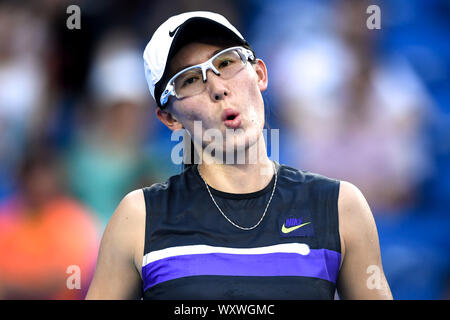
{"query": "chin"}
[(234, 143), (242, 140)]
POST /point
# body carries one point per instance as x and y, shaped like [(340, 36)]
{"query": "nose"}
[(217, 88)]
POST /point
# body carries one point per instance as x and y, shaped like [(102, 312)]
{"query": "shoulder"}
[(117, 275), (131, 204), (356, 221), (134, 199), (360, 247), (351, 203), (129, 215)]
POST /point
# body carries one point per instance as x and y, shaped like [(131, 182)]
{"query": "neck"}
[(250, 176)]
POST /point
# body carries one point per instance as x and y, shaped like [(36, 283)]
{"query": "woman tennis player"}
[(227, 229)]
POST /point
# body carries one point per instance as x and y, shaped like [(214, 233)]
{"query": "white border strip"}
[(299, 248)]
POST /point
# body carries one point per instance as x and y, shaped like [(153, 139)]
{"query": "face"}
[(227, 105)]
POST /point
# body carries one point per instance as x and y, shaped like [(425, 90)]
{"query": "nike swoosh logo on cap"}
[(287, 230), (172, 33)]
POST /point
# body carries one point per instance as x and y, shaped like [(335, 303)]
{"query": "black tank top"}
[(192, 252)]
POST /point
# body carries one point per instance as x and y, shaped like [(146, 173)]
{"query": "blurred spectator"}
[(22, 82), (106, 159), (348, 116), (43, 231)]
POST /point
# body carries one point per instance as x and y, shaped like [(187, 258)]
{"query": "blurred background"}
[(78, 129)]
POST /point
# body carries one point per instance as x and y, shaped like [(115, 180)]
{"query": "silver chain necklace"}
[(223, 214)]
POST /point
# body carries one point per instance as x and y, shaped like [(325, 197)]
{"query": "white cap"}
[(172, 34)]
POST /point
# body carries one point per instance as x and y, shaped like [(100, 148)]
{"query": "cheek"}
[(253, 100), (249, 80), (188, 113)]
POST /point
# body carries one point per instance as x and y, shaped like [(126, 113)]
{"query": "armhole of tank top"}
[(335, 199), (147, 221)]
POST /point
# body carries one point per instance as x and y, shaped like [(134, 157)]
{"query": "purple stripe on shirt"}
[(319, 263)]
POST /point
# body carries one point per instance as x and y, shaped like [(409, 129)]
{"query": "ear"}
[(168, 119), (261, 72)]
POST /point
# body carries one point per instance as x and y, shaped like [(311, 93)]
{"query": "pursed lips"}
[(231, 118)]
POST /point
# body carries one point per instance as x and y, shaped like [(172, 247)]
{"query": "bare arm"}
[(116, 275), (361, 275)]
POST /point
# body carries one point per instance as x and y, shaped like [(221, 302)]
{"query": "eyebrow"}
[(187, 66)]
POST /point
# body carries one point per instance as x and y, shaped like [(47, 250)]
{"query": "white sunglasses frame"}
[(244, 53)]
